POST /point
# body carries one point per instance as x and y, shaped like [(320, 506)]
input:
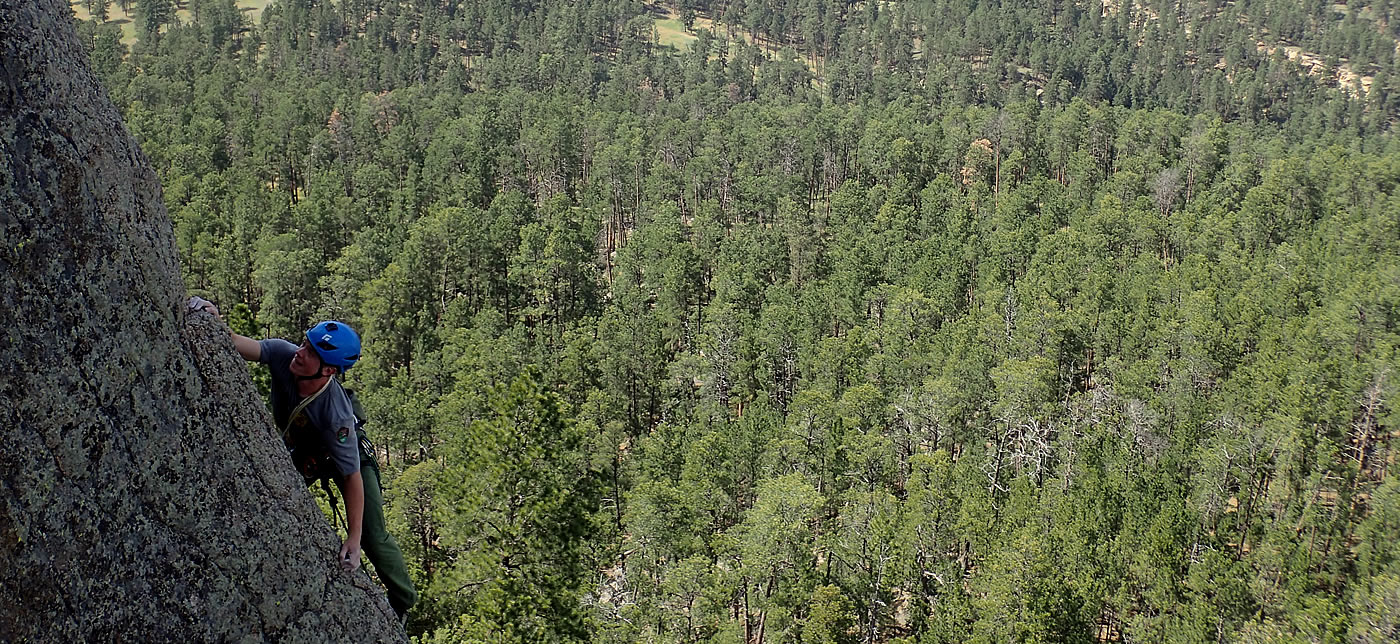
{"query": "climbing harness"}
[(306, 462)]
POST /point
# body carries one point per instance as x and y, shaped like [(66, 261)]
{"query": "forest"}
[(824, 321)]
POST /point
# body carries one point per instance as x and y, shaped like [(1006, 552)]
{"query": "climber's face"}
[(306, 362)]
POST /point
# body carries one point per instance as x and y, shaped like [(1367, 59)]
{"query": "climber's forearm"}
[(249, 348), (354, 492), (353, 489)]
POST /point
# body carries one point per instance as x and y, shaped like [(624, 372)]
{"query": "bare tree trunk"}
[(748, 634), (144, 495)]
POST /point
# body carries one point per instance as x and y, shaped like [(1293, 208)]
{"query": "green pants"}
[(379, 546)]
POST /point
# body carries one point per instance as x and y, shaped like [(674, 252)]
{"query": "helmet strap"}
[(320, 366)]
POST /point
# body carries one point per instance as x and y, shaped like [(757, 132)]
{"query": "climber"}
[(318, 422)]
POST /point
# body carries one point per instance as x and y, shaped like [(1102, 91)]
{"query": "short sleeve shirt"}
[(326, 425)]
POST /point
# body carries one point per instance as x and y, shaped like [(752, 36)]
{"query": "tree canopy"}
[(817, 321)]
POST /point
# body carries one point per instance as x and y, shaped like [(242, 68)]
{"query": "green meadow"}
[(252, 10)]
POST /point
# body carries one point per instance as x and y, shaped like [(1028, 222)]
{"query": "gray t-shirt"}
[(326, 427)]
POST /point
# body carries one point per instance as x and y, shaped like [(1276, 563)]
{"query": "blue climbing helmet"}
[(336, 343)]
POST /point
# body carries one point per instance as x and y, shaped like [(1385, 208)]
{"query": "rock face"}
[(144, 495)]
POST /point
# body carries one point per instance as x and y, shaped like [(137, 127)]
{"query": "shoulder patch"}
[(343, 434)]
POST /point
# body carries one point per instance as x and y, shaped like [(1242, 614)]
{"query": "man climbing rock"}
[(317, 420)]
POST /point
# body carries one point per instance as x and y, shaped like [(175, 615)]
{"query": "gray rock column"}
[(144, 495)]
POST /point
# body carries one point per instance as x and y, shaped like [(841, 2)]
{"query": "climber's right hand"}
[(197, 303)]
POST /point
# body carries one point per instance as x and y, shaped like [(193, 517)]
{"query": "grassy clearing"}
[(670, 31), (252, 11), (115, 16)]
